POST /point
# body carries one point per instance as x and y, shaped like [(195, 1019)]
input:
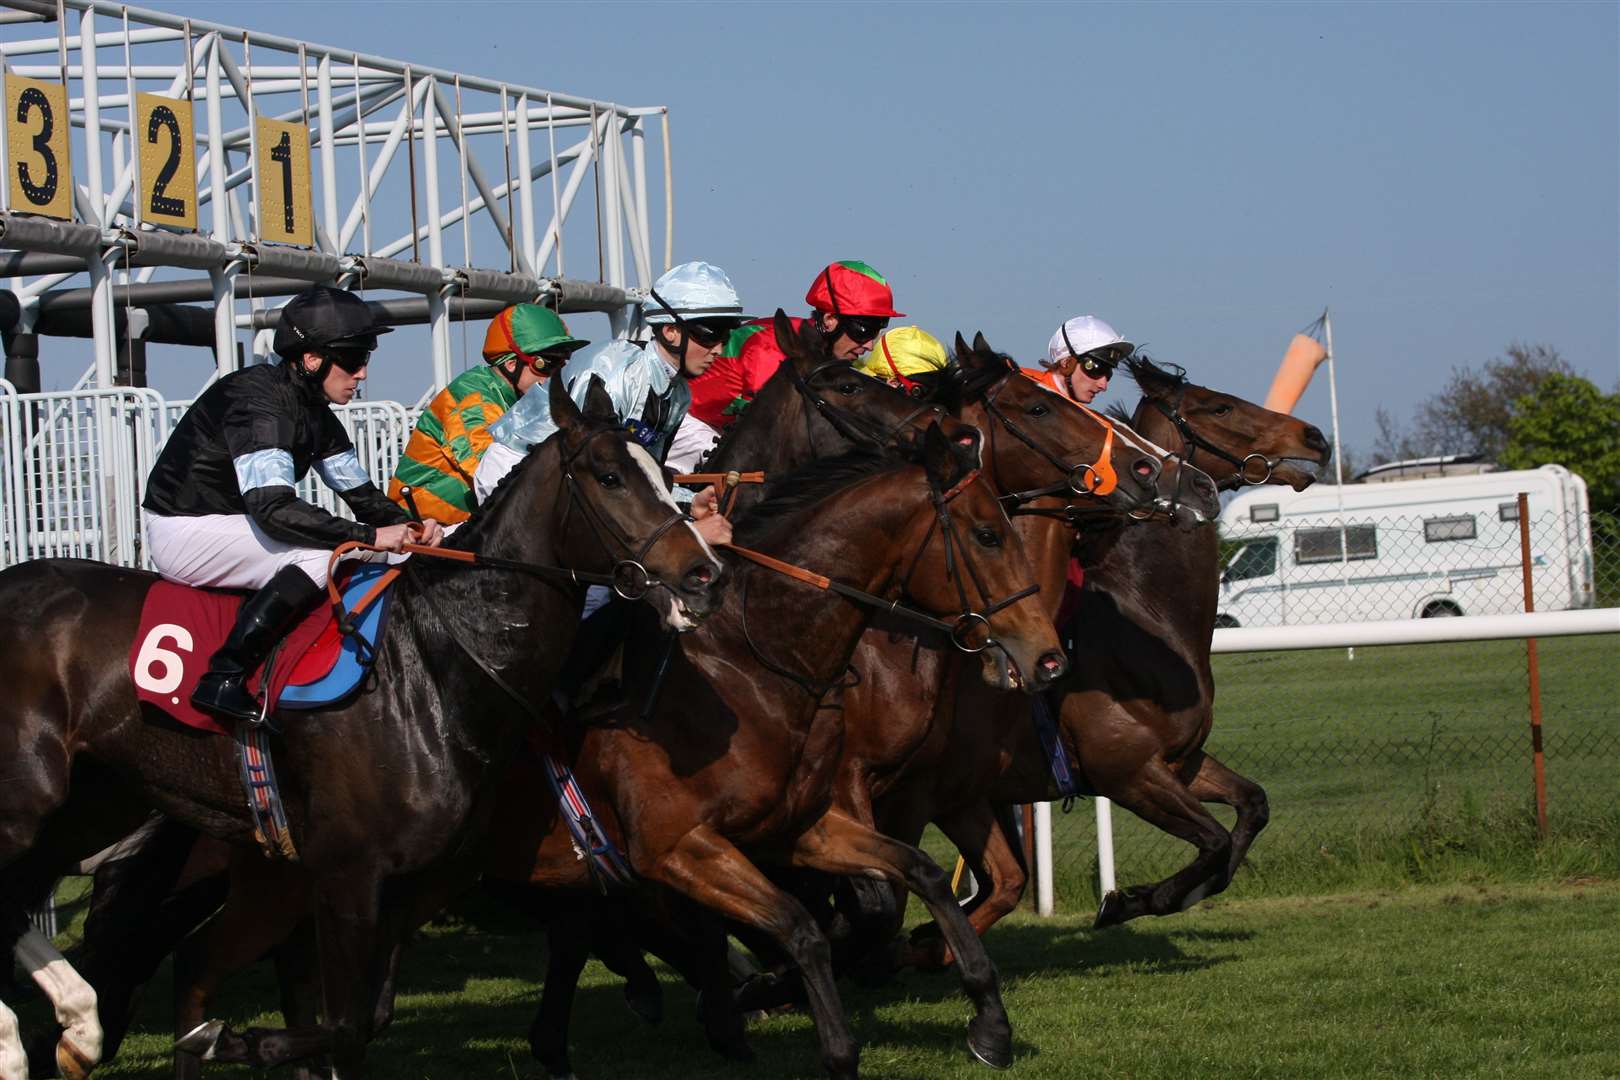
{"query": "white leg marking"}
[(13, 1062), (72, 997), (1198, 892)]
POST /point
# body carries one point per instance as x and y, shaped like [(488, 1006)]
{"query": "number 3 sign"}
[(281, 175), (41, 179)]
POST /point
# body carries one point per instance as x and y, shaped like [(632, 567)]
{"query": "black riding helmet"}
[(322, 318)]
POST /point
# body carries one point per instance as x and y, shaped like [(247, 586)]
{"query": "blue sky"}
[(1205, 176)]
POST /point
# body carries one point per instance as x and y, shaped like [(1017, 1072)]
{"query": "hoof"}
[(201, 1040), (71, 1062), (992, 1046), (1112, 910)]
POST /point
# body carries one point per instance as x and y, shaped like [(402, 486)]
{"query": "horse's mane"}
[(1153, 377), (1117, 411), (963, 384), (806, 487), (467, 536)]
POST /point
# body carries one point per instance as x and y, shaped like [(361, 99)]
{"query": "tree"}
[(1568, 421), (1471, 414)]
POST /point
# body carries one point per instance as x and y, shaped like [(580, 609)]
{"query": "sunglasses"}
[(709, 332), (350, 360), (861, 328)]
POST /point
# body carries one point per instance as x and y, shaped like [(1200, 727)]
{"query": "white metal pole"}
[(323, 92), (669, 199), (1043, 858), (525, 181), (1338, 455), (638, 146), (223, 279), (437, 312), (1105, 845)]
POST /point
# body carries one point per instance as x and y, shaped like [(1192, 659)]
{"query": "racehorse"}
[(1134, 712), (811, 408), (389, 786)]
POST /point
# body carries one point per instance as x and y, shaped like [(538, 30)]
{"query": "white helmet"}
[(1083, 334), (694, 290)]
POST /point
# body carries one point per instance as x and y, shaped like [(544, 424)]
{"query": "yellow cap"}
[(905, 350)]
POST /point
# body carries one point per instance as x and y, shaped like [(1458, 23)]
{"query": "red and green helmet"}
[(851, 287)]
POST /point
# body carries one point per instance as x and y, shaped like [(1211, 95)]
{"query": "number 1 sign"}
[(168, 194), (41, 179), (281, 175)]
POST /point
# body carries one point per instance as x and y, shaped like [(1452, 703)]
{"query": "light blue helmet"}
[(694, 290)]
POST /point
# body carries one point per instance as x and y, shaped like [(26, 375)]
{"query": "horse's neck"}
[(771, 433), (1047, 543), (1163, 578)]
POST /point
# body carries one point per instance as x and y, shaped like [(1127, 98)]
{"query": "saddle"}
[(315, 666)]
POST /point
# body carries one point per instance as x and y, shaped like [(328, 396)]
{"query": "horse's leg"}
[(568, 946), (704, 866), (1154, 794), (13, 1062), (840, 845), (996, 866), (73, 999), (613, 944), (298, 977), (266, 903), (722, 1023), (1216, 783), (347, 934)]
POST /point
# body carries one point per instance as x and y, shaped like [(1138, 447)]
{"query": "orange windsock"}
[(1299, 363)]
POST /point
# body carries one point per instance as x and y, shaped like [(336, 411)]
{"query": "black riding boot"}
[(264, 618)]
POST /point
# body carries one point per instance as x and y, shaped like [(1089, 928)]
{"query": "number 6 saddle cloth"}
[(315, 665)]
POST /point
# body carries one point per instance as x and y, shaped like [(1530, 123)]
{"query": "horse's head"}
[(868, 413), (1042, 444), (1236, 441), (626, 520), (965, 561)]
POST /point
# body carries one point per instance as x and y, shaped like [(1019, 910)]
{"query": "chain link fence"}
[(1444, 562), (1404, 755)]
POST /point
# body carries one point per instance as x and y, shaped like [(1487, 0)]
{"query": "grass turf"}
[(1435, 981)]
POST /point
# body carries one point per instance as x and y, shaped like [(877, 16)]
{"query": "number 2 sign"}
[(168, 194), (41, 174), (281, 175)]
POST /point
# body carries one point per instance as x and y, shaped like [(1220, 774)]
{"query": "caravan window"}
[(1461, 527), (1258, 559), (1322, 545)]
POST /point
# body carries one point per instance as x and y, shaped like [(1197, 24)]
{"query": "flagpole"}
[(1338, 454)]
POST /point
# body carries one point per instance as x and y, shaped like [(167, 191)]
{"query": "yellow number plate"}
[(37, 127), (168, 194), (282, 177)]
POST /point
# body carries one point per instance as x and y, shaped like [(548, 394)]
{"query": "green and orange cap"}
[(851, 287), (525, 331)]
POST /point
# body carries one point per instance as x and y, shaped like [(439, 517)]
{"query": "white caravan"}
[(1405, 549)]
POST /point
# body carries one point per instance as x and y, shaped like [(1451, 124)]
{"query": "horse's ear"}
[(599, 403), (787, 339), (964, 355), (564, 413), (944, 462), (979, 344)]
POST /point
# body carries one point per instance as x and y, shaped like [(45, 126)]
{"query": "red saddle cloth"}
[(181, 629)]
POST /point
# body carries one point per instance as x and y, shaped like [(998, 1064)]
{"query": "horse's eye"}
[(1038, 410), (850, 388), (1223, 410), (987, 537), (608, 480)]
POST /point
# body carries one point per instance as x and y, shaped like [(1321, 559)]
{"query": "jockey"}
[(523, 346), (692, 310), (850, 303), (222, 504), (903, 354), (1081, 358)]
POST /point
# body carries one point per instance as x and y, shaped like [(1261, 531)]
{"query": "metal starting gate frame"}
[(172, 180)]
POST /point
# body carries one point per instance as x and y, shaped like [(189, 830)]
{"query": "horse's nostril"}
[(1144, 469), (700, 576)]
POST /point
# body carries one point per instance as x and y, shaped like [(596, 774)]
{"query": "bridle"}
[(960, 630), (1196, 442), (1095, 478), (852, 426)]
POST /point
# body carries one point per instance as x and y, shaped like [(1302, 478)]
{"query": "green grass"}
[(1407, 763), (1497, 981)]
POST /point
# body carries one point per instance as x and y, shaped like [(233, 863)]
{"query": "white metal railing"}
[(76, 463)]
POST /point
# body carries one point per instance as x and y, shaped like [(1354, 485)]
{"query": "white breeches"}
[(228, 551)]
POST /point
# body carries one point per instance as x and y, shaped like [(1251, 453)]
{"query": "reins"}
[(852, 426), (1196, 442), (959, 629)]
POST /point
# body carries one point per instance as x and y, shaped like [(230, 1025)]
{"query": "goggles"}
[(861, 328), (1097, 364), (350, 359), (707, 333)]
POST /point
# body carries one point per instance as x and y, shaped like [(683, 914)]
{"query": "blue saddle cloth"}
[(337, 663)]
